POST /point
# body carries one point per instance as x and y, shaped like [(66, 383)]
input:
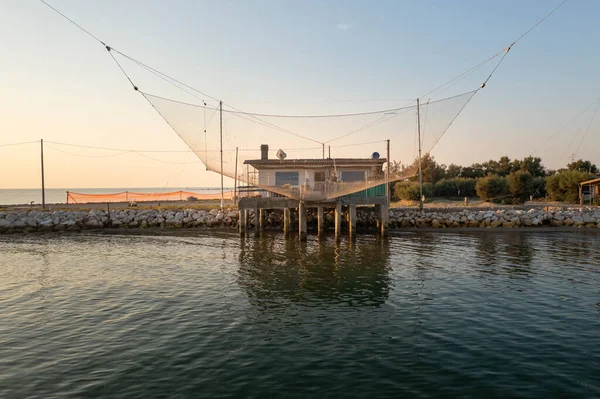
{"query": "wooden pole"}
[(221, 149), (43, 183), (387, 172), (329, 152), (323, 151), (420, 170), (235, 180)]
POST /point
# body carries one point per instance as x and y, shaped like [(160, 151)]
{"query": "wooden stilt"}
[(302, 220), (242, 221), (321, 219), (338, 219), (384, 217), (352, 220), (287, 222)]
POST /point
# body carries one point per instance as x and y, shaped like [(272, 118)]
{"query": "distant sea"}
[(59, 195)]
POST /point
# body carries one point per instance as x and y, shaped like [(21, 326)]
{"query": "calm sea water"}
[(59, 195), (469, 314)]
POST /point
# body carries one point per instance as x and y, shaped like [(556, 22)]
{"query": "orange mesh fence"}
[(127, 196)]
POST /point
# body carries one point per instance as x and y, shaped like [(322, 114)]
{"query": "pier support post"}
[(256, 220), (261, 219), (320, 219), (242, 221), (338, 219), (384, 215), (302, 220), (352, 220), (287, 221), (378, 215)]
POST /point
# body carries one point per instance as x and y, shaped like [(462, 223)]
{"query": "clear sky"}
[(282, 56)]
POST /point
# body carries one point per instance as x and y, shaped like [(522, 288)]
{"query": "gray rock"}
[(19, 223), (93, 223), (47, 222)]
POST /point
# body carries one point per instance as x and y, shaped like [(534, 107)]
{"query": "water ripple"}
[(469, 314)]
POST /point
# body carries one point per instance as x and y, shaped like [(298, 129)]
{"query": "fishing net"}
[(128, 196), (310, 157)]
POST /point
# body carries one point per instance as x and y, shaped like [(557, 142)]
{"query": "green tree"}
[(473, 172), (453, 171), (492, 188), (564, 186), (533, 165), (395, 167), (583, 166), (432, 172), (505, 166)]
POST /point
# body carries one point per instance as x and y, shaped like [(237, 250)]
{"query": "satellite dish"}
[(375, 155), (281, 155)]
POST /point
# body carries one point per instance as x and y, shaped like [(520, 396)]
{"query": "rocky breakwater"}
[(502, 218), (84, 220), (30, 221)]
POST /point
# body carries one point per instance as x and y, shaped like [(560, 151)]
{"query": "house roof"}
[(314, 163), (593, 181)]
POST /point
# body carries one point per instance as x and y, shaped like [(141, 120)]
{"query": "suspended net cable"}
[(587, 129), (22, 143), (566, 125), (82, 155)]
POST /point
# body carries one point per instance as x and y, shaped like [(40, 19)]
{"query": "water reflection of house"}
[(279, 273), (319, 183)]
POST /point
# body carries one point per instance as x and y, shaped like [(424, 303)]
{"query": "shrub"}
[(456, 187), (520, 185), (445, 188), (564, 186), (492, 188), (406, 190)]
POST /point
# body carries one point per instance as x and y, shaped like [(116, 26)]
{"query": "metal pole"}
[(221, 149), (387, 172), (43, 183), (323, 151), (235, 180), (420, 171)]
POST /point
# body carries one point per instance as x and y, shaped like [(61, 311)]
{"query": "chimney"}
[(264, 151)]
